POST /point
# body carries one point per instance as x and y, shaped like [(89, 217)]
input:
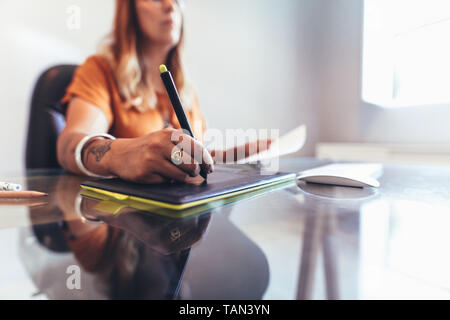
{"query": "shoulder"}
[(96, 63), (93, 82)]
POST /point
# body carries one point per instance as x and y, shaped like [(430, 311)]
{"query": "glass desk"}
[(304, 241)]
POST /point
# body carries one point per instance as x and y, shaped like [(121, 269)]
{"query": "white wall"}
[(248, 59)]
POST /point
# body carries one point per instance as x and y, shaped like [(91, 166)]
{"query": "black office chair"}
[(46, 119)]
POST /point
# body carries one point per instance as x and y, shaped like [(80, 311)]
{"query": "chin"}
[(171, 42), (167, 39)]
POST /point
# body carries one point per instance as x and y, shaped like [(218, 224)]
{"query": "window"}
[(406, 52)]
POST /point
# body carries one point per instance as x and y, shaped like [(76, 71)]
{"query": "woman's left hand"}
[(240, 152)]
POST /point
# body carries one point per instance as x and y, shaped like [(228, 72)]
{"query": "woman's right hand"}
[(147, 159)]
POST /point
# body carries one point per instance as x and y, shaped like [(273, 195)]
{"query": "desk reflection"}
[(124, 253)]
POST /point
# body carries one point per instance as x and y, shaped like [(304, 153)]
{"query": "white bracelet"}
[(79, 149)]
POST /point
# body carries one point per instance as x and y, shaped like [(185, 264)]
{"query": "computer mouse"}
[(340, 180), (344, 174)]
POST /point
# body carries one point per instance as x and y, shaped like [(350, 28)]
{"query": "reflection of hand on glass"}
[(161, 234), (67, 195)]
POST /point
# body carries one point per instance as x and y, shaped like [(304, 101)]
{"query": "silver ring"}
[(176, 156)]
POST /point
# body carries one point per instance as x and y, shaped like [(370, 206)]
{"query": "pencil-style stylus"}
[(21, 194), (171, 89)]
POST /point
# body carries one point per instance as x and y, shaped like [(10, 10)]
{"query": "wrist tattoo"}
[(100, 150)]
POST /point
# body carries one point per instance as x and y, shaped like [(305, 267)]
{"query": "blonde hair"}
[(123, 49)]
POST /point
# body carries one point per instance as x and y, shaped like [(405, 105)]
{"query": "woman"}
[(120, 91)]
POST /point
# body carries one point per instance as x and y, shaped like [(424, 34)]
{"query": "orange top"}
[(94, 82)]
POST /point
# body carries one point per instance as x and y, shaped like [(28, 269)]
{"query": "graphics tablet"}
[(224, 182)]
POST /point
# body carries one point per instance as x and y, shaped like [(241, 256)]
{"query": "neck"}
[(154, 56)]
